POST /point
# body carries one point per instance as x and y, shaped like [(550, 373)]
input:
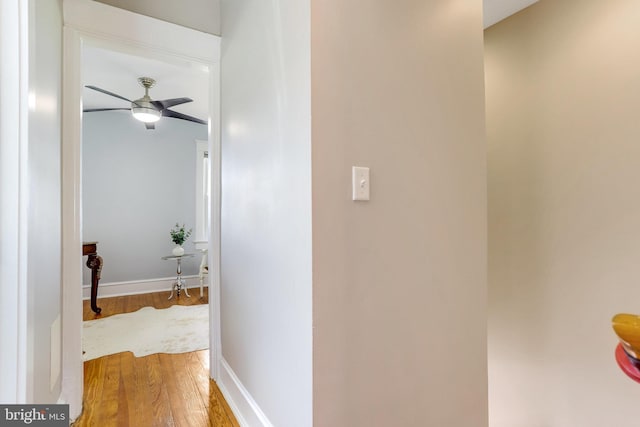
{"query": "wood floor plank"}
[(161, 412), (220, 414), (189, 409), (198, 379), (135, 383), (108, 410), (123, 400), (93, 374), (199, 374), (159, 390)]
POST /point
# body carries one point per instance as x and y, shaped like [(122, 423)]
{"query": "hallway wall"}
[(399, 282), (266, 206), (44, 290), (564, 211)]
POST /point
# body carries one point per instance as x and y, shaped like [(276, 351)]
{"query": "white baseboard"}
[(246, 410), (116, 289)]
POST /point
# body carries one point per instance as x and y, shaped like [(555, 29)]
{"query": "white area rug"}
[(178, 329)]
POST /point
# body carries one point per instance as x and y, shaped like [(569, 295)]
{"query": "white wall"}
[(564, 211), (136, 185), (13, 105), (399, 282), (44, 203), (201, 15), (266, 205)]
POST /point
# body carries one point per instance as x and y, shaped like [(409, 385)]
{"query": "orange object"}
[(627, 327)]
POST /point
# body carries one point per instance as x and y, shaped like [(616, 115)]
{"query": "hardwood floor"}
[(157, 390), (129, 303)]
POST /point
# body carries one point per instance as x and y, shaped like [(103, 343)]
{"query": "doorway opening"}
[(95, 25), (140, 181)]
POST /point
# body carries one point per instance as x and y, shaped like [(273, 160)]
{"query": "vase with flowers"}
[(179, 235)]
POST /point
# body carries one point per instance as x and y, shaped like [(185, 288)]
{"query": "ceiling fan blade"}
[(150, 126), (176, 115), (108, 93), (167, 103), (92, 110)]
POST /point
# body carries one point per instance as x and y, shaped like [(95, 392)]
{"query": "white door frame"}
[(14, 114), (97, 24)]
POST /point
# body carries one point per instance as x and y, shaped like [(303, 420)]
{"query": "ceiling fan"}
[(146, 109)]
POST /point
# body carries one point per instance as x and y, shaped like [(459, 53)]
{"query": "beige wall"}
[(399, 281), (563, 98), (201, 15)]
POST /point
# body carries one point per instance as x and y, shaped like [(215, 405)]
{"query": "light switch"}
[(360, 183)]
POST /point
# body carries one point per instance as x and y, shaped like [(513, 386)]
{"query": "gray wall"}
[(136, 184), (201, 15)]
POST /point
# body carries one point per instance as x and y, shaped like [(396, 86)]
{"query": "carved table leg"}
[(95, 264)]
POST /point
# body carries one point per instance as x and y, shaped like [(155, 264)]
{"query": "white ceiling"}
[(497, 10), (118, 72)]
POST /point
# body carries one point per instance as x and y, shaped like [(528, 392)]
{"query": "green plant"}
[(179, 235)]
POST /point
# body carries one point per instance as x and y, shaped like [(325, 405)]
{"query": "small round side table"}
[(180, 282)]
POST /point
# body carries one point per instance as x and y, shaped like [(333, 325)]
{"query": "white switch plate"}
[(360, 183)]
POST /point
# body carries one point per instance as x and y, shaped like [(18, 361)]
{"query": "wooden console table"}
[(94, 262)]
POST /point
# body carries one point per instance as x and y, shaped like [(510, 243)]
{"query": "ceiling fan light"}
[(143, 110), (146, 115)]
